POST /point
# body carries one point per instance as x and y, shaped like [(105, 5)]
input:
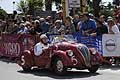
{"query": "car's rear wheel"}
[(93, 68), (58, 66), (24, 65)]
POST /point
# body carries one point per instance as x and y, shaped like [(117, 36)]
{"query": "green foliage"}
[(28, 6), (3, 14), (106, 10)]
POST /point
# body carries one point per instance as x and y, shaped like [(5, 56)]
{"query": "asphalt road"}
[(11, 71)]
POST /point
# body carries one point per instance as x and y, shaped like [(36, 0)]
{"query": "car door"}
[(44, 59)]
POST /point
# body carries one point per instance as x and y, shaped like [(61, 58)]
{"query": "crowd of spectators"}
[(85, 23)]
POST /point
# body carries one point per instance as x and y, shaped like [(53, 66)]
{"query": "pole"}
[(13, 5), (81, 7), (64, 9)]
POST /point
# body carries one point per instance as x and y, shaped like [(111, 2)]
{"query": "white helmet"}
[(43, 36)]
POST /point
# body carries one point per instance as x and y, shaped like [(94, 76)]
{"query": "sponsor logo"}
[(12, 48), (110, 45)]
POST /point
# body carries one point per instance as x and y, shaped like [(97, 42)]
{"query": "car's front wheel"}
[(93, 68), (58, 66)]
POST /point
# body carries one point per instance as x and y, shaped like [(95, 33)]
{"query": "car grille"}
[(84, 51)]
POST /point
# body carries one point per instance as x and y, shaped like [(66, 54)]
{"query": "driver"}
[(42, 45)]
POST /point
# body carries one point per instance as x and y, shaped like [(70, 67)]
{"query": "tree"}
[(96, 7), (3, 14), (29, 6), (48, 4), (116, 2)]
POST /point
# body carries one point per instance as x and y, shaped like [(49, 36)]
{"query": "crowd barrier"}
[(14, 45)]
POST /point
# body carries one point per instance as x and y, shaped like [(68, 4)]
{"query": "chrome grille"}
[(84, 51)]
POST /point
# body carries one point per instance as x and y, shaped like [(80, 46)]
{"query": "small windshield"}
[(58, 38)]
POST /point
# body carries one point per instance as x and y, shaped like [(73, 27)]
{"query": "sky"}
[(8, 6)]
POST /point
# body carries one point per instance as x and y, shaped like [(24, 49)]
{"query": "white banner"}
[(74, 3), (111, 45)]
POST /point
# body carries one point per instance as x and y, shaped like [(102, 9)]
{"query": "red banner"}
[(14, 45)]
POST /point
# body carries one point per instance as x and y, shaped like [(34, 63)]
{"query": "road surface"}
[(11, 71)]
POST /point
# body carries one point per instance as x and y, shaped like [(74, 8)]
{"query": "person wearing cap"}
[(112, 27), (41, 45), (23, 28), (57, 27)]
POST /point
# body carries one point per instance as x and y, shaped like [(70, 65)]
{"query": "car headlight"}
[(70, 53), (93, 50)]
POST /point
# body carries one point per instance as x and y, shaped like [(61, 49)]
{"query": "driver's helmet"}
[(44, 38)]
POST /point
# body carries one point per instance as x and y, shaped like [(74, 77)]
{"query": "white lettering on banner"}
[(12, 49)]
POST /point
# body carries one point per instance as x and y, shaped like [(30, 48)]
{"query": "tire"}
[(26, 69), (58, 67), (24, 66), (93, 68)]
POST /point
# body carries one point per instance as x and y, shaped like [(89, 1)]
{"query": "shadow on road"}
[(7, 60), (69, 74), (112, 67)]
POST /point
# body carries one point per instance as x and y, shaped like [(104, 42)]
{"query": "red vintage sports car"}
[(62, 55)]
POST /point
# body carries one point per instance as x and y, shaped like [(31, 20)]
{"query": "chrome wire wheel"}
[(59, 66)]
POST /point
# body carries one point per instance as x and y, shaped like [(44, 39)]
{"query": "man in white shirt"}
[(42, 45)]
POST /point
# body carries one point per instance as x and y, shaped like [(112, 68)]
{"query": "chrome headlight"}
[(70, 53), (93, 50)]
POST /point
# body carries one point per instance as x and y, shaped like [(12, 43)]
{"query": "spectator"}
[(102, 18), (76, 19), (91, 16), (37, 26), (61, 37), (88, 25), (69, 26), (24, 19), (43, 26), (10, 25), (117, 20), (29, 18), (112, 27), (58, 26), (23, 29), (15, 29), (101, 29), (49, 20)]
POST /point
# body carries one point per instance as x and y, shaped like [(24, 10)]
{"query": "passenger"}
[(42, 45)]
